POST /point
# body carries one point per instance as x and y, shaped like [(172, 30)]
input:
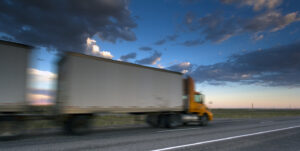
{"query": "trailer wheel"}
[(153, 120), (78, 124), (11, 127), (172, 120), (162, 120), (203, 120)]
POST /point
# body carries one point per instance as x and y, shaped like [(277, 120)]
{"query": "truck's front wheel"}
[(203, 120)]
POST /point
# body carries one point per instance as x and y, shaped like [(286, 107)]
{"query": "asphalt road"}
[(273, 134)]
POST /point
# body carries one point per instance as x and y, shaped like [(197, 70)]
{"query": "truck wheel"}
[(11, 127), (153, 120), (163, 121), (77, 124), (173, 120), (203, 120)]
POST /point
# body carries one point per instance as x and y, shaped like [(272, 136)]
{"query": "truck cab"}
[(195, 102)]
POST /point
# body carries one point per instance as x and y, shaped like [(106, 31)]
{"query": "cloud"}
[(128, 56), (272, 21), (40, 79), (172, 37), (166, 39), (160, 42), (277, 66), (41, 96), (189, 18), (65, 25), (190, 43), (151, 60), (217, 28), (257, 37), (42, 76), (93, 49), (40, 99), (256, 4), (145, 48), (183, 67), (160, 66)]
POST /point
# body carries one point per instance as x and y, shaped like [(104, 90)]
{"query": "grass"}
[(115, 120), (254, 113), (119, 119)]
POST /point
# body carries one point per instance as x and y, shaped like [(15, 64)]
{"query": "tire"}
[(203, 120), (164, 120), (78, 124), (11, 127), (173, 120), (152, 120)]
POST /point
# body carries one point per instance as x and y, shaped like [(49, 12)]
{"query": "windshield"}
[(199, 98)]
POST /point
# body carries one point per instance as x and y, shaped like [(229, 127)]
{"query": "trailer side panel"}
[(96, 85), (13, 67)]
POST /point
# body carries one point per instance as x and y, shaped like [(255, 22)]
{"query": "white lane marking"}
[(226, 138), (183, 129)]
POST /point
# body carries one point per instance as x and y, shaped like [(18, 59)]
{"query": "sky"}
[(239, 52)]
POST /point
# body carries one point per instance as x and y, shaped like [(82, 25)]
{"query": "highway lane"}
[(273, 134)]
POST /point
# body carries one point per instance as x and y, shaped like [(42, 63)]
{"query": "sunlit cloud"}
[(41, 76), (93, 49), (183, 67), (40, 99), (184, 71), (90, 41), (185, 64), (256, 4), (160, 66)]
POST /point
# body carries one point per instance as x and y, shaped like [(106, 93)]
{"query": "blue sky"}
[(238, 52)]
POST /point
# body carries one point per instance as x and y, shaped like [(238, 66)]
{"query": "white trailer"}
[(13, 67), (13, 77), (90, 84)]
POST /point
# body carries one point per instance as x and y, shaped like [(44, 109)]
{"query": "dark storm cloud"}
[(145, 48), (65, 25), (151, 60), (190, 43), (128, 56), (277, 66)]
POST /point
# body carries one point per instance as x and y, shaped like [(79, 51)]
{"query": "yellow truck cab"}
[(195, 102)]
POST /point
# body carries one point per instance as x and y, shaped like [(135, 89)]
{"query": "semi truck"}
[(90, 85)]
